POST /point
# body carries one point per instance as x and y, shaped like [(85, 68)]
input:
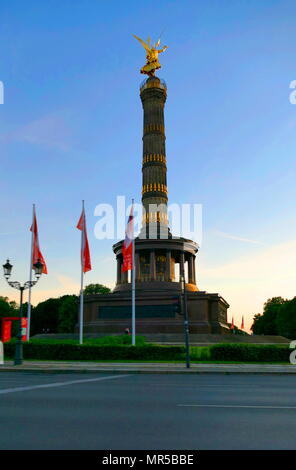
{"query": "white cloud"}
[(234, 237), (49, 130)]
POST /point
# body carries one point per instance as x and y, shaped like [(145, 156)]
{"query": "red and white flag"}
[(36, 253), (127, 248), (242, 325), (85, 253), (232, 324)]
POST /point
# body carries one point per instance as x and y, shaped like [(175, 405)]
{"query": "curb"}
[(87, 370)]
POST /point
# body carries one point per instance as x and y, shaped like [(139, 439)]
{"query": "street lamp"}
[(186, 322), (7, 268)]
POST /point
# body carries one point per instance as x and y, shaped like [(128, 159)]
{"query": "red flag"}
[(232, 324), (127, 248), (242, 325), (36, 253), (85, 254)]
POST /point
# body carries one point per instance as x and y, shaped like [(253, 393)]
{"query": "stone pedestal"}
[(155, 312)]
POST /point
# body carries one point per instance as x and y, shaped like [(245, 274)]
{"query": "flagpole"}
[(133, 285), (81, 280), (30, 279)]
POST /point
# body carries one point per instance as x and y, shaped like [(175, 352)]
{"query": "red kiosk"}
[(6, 328)]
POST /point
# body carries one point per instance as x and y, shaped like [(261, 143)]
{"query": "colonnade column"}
[(191, 270), (168, 276), (182, 268), (193, 264), (152, 266), (118, 279)]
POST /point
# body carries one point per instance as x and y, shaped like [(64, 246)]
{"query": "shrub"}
[(249, 353), (200, 353), (73, 352)]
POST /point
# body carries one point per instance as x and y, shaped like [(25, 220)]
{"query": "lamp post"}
[(7, 267), (186, 323)]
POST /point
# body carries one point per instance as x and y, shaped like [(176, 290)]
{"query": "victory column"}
[(157, 252)]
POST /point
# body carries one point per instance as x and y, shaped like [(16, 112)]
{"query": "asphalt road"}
[(139, 411)]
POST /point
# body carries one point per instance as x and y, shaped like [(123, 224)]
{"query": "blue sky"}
[(71, 128)]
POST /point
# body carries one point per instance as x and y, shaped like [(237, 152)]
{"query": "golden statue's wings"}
[(143, 43)]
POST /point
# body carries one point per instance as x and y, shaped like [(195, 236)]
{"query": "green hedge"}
[(88, 352), (76, 352), (249, 353)]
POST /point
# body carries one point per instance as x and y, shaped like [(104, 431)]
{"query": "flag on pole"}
[(36, 253), (128, 253), (232, 325), (242, 325), (85, 253), (34, 257), (127, 248), (85, 265)]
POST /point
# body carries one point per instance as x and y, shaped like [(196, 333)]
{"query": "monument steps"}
[(178, 339), (209, 339)]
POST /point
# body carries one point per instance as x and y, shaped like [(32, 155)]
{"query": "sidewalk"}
[(147, 368)]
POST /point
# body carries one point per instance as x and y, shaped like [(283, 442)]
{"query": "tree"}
[(25, 309), (92, 289), (270, 312), (8, 308), (67, 313), (286, 319), (272, 302), (278, 318), (258, 324), (44, 317), (55, 315)]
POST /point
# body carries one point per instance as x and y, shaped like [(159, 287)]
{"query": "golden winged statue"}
[(152, 63)]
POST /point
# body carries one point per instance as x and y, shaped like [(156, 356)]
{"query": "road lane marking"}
[(60, 384), (243, 406), (198, 385)]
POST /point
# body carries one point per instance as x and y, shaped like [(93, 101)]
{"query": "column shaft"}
[(168, 266), (152, 266), (193, 265), (190, 270), (118, 280), (182, 270), (154, 187)]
